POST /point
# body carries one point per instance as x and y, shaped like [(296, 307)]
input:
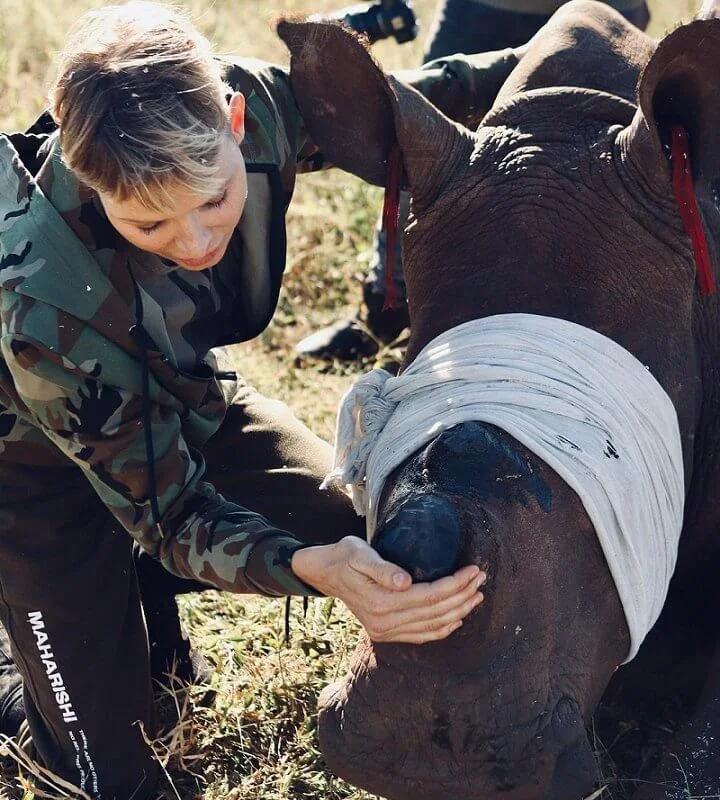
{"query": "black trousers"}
[(70, 598)]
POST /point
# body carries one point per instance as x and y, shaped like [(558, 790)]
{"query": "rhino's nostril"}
[(575, 774), (424, 536)]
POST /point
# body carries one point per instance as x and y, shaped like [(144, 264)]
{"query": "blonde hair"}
[(141, 104)]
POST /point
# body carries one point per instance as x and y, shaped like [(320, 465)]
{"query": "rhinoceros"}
[(562, 204)]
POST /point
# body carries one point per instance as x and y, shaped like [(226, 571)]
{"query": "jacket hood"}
[(42, 258)]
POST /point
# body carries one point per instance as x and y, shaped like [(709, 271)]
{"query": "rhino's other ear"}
[(355, 113), (680, 86)]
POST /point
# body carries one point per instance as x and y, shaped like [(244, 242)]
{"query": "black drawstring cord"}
[(287, 620), (306, 603), (142, 339)]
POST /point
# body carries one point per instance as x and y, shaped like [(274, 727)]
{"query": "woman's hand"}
[(382, 596)]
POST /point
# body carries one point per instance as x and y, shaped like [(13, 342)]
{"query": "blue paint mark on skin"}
[(404, 538), (424, 529), (476, 458)]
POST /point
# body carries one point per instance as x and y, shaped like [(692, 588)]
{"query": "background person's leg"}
[(460, 26), (470, 26)]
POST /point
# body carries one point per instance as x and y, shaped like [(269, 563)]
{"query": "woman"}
[(140, 227)]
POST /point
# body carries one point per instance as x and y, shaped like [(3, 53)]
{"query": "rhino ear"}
[(342, 94), (680, 86), (355, 113)]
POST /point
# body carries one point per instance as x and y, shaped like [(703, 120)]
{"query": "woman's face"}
[(193, 231)]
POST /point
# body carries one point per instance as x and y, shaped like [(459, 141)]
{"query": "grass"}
[(257, 741)]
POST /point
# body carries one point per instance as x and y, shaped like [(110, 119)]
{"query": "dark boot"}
[(359, 337), (172, 658), (12, 709)]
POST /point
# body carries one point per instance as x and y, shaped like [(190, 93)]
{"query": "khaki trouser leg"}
[(264, 458)]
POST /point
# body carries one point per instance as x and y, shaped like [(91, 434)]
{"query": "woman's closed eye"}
[(148, 229), (216, 202)]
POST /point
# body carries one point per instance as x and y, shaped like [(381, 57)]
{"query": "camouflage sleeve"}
[(271, 106), (308, 157), (463, 87), (100, 427)]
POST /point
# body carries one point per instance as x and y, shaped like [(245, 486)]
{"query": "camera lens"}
[(382, 20), (368, 22)]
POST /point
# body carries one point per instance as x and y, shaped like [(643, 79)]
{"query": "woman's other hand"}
[(382, 596)]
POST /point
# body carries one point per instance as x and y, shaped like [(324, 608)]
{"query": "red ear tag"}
[(390, 220), (689, 213)]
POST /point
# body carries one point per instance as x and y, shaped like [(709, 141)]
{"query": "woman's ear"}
[(237, 116)]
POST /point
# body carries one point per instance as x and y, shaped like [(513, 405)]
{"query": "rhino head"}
[(561, 203)]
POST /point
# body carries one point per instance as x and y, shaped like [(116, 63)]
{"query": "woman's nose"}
[(193, 240)]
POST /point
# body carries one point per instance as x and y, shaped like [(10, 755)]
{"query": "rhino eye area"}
[(716, 194)]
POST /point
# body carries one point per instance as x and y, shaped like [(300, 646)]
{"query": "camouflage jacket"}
[(82, 379)]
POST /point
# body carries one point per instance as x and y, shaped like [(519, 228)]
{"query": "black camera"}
[(382, 20)]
